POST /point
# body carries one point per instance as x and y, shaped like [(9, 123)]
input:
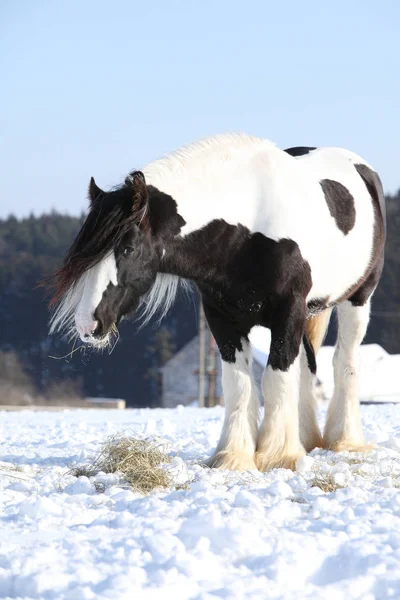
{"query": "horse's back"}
[(315, 197)]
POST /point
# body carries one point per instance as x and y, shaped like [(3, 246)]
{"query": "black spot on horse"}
[(340, 203), (371, 278), (300, 150), (374, 186), (361, 290)]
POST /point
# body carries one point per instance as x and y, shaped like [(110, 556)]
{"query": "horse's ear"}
[(94, 191), (140, 196)]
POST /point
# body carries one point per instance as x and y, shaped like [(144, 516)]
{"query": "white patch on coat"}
[(82, 299), (97, 280)]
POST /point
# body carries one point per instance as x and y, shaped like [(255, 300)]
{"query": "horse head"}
[(113, 262)]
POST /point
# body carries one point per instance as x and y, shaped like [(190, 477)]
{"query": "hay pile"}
[(13, 471), (325, 482), (138, 461)]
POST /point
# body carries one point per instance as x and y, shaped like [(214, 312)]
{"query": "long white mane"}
[(201, 155)]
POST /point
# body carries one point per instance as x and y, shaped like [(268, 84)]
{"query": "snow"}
[(260, 339), (229, 535)]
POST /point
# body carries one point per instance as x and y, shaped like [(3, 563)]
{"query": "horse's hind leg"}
[(310, 434), (316, 327), (343, 429)]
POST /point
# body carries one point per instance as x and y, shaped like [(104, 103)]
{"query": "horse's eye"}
[(128, 250)]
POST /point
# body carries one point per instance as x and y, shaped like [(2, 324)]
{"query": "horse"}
[(271, 237)]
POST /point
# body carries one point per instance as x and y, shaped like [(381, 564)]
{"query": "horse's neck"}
[(205, 254)]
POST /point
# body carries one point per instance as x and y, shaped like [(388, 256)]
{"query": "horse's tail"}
[(316, 328)]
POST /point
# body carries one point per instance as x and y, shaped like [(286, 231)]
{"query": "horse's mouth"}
[(96, 342), (101, 340)]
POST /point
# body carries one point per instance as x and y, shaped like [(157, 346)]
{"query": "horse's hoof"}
[(232, 461), (266, 462), (348, 446)]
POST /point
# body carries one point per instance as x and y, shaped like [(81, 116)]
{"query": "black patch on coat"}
[(300, 150), (311, 360), (367, 287), (286, 332), (375, 188), (228, 335), (361, 290), (165, 222), (371, 278), (246, 280), (340, 203)]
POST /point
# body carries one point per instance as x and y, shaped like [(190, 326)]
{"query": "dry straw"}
[(138, 461)]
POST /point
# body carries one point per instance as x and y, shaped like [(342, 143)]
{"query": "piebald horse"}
[(271, 237)]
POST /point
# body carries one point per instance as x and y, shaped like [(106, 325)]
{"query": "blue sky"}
[(98, 88)]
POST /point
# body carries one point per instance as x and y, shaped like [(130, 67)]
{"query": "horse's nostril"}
[(85, 327), (98, 327)]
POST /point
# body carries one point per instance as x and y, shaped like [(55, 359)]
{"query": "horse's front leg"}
[(237, 443), (278, 443)]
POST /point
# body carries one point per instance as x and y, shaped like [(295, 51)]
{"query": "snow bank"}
[(379, 373), (330, 530)]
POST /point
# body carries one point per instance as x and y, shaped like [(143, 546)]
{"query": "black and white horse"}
[(272, 238)]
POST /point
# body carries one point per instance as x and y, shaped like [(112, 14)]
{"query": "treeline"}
[(32, 247), (385, 322)]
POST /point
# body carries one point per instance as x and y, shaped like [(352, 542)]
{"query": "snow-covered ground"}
[(230, 535)]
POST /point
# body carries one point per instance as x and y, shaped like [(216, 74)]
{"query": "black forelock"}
[(105, 225), (110, 218)]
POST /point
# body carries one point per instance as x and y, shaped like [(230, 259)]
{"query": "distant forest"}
[(32, 247)]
